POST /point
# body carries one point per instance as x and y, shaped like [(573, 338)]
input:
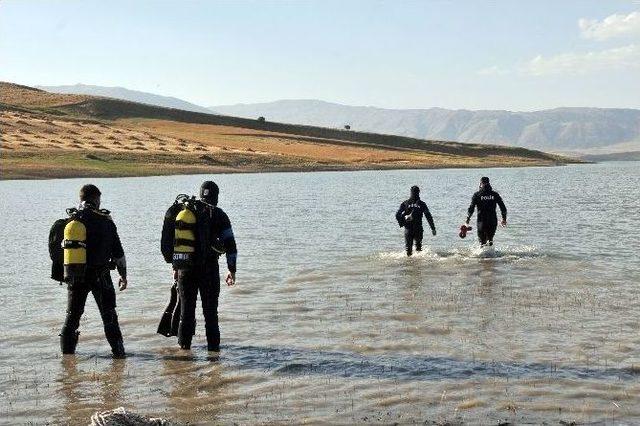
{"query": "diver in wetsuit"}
[(486, 200), (211, 235), (103, 252), (409, 216)]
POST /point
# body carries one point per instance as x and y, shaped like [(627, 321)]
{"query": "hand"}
[(122, 283), (503, 223), (175, 275), (433, 231), (467, 221), (230, 279)]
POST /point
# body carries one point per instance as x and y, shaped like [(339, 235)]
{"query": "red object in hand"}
[(463, 230)]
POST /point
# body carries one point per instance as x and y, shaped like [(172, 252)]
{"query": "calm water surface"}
[(330, 322)]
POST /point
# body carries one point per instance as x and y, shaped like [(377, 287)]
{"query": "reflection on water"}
[(330, 321), (85, 392)]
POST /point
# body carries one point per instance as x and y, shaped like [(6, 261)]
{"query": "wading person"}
[(409, 216), (486, 200), (195, 233), (84, 248)]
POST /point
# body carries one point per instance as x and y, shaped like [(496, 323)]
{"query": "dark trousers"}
[(207, 282), (412, 235), (486, 232), (99, 283)]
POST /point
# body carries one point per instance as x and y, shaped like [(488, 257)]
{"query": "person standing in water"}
[(486, 200), (103, 252), (409, 216), (195, 233)]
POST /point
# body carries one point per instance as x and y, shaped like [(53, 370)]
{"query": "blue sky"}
[(518, 55)]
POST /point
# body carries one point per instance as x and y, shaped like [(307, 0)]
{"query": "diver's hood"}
[(209, 193)]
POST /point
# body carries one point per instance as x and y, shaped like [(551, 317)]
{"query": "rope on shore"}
[(122, 417)]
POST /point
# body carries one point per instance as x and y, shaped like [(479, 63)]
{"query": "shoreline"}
[(195, 170)]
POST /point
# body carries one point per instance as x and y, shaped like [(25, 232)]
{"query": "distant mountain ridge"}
[(127, 95), (565, 130), (560, 129)]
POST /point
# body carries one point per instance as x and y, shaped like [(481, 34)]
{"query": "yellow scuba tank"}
[(74, 247), (184, 243)]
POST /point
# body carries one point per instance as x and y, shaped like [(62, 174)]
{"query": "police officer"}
[(103, 250), (409, 216), (213, 235), (486, 200)]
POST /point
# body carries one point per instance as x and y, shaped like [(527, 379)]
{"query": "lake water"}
[(329, 321)]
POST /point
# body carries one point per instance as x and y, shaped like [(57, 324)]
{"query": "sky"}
[(514, 55)]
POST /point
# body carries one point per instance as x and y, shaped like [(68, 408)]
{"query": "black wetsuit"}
[(103, 249), (409, 216), (486, 201), (212, 225)]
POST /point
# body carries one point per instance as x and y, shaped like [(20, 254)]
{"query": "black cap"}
[(209, 192), (415, 189), (484, 180)]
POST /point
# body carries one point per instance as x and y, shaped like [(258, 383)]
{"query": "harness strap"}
[(72, 244), (184, 242), (182, 225)]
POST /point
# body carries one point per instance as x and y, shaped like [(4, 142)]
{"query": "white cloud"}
[(627, 57), (612, 26), (494, 70)]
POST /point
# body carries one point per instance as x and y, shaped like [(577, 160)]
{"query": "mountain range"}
[(558, 130), (125, 94), (593, 131)]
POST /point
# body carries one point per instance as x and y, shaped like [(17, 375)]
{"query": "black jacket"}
[(103, 241), (410, 214), (486, 201)]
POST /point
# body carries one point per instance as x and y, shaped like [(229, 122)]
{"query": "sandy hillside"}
[(42, 135)]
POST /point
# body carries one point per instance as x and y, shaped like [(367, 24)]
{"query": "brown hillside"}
[(49, 135)]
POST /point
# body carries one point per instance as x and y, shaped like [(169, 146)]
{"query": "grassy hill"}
[(46, 135)]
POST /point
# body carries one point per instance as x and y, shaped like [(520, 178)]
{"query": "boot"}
[(117, 348), (213, 339), (68, 342), (185, 344)]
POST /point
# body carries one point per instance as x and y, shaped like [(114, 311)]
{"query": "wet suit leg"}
[(486, 231), (209, 293), (408, 240), (105, 296), (491, 232), (76, 299), (417, 236), (188, 291), (482, 235)]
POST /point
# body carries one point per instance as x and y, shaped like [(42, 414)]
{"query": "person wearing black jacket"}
[(486, 200), (213, 235), (409, 216), (104, 249)]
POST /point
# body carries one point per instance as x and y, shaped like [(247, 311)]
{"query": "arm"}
[(117, 255), (503, 209), (427, 214), (400, 215), (472, 207), (230, 248)]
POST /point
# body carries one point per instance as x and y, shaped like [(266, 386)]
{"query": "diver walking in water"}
[(194, 235), (409, 216), (486, 200), (83, 248)]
